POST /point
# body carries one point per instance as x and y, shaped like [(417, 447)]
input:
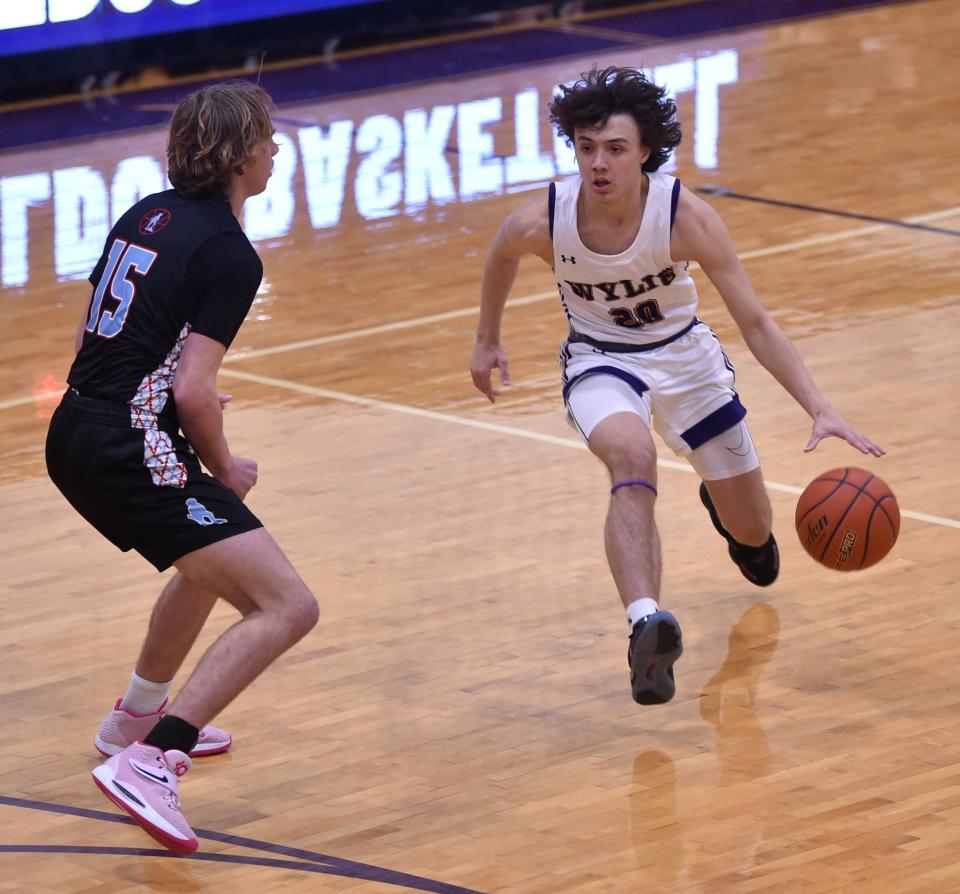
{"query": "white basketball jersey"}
[(635, 297)]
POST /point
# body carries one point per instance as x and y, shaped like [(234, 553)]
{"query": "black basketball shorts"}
[(99, 462)]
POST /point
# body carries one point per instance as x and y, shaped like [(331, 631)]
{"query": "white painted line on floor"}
[(374, 403)]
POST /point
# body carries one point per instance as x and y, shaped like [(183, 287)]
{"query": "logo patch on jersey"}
[(199, 513), (566, 260), (154, 221)]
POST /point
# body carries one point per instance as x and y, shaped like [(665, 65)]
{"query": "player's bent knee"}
[(631, 461), (300, 615), (308, 616), (625, 453)]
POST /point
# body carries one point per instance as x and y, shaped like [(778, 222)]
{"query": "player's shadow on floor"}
[(728, 700), (727, 703)]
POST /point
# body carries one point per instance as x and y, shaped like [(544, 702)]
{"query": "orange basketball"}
[(847, 519)]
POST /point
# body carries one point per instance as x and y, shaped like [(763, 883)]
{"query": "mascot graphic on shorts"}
[(199, 513)]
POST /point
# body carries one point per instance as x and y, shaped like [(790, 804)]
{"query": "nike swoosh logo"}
[(149, 775), (129, 794), (739, 450)]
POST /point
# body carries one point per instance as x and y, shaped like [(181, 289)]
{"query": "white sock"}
[(640, 608), (145, 696)]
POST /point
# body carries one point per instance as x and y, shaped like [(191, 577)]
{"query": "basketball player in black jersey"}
[(174, 283), (619, 241)]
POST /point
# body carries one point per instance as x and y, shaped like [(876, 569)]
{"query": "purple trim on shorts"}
[(719, 421), (635, 383)]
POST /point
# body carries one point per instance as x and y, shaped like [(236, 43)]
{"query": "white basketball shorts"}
[(685, 389)]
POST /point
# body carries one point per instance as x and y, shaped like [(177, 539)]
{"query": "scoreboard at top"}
[(32, 26)]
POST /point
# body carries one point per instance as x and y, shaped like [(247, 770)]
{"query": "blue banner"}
[(32, 26)]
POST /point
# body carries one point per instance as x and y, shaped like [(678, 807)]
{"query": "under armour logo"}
[(199, 513), (565, 259)]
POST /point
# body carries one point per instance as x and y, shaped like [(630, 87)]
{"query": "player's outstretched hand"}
[(829, 423), (242, 475), (486, 358)]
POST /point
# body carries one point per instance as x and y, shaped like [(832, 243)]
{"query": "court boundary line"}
[(725, 192), (498, 428)]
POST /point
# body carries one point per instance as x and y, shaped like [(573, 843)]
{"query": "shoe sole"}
[(749, 575), (108, 750), (184, 847), (657, 661)]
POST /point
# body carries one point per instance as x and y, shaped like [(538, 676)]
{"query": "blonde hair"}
[(212, 132)]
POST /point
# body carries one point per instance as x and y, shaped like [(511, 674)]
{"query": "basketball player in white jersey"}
[(619, 238)]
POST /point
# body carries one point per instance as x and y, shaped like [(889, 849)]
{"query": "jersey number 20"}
[(124, 259)]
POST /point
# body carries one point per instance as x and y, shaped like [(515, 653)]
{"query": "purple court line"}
[(146, 852), (322, 863), (725, 192)]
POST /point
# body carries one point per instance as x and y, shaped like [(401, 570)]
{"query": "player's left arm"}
[(700, 235)]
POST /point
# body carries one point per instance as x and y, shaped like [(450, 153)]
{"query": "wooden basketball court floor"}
[(460, 720)]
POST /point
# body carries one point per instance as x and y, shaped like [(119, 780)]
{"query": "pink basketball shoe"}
[(122, 728), (143, 781)]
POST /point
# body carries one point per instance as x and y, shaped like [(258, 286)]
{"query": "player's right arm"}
[(200, 413), (525, 231)]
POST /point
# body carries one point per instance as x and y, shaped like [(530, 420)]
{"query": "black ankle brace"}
[(172, 733)]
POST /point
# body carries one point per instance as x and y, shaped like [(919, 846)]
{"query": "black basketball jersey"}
[(170, 266)]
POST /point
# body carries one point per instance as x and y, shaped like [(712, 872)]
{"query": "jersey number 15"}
[(124, 259)]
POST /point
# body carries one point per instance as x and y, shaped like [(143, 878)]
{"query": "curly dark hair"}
[(212, 132), (603, 92)]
